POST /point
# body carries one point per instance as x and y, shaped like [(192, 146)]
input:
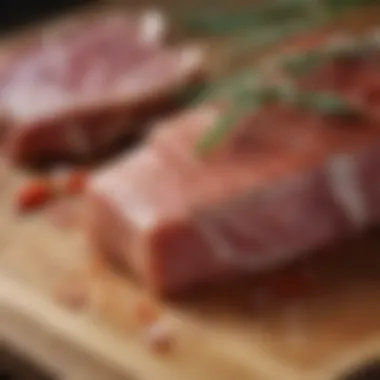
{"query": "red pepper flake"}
[(159, 337), (33, 194)]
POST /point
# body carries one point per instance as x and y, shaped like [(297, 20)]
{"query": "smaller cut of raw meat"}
[(286, 181), (73, 93)]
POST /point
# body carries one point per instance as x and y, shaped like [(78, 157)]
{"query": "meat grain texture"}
[(287, 181), (74, 93)]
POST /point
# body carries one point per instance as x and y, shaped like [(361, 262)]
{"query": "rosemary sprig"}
[(225, 88), (230, 87), (337, 6), (209, 18), (254, 40), (245, 96), (249, 101), (299, 64), (326, 103), (245, 102), (216, 22), (220, 130), (258, 36), (241, 90)]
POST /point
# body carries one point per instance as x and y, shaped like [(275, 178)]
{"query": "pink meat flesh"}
[(76, 93), (287, 181)]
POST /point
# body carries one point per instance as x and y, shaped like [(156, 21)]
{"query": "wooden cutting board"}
[(234, 333)]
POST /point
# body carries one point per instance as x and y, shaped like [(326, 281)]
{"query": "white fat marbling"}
[(343, 177)]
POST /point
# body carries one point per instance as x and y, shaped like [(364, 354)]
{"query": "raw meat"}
[(75, 92), (287, 181)]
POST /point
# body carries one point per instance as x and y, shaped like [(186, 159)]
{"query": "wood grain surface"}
[(220, 334)]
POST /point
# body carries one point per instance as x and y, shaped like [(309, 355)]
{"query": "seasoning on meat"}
[(62, 183), (34, 194), (74, 94), (286, 181), (159, 337)]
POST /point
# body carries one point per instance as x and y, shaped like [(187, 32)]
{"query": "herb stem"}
[(220, 130), (245, 91)]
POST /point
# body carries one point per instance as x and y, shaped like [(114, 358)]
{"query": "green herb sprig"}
[(213, 18), (298, 64), (294, 64), (220, 130), (221, 22), (244, 103), (325, 103), (244, 91)]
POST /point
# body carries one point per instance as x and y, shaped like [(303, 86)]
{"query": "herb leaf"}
[(214, 18), (326, 103), (230, 87), (216, 21), (219, 131), (301, 63), (245, 103), (242, 91)]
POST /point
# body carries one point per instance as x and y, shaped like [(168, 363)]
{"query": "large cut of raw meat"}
[(286, 181), (74, 92)]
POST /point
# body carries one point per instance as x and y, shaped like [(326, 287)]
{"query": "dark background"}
[(12, 367), (14, 13)]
